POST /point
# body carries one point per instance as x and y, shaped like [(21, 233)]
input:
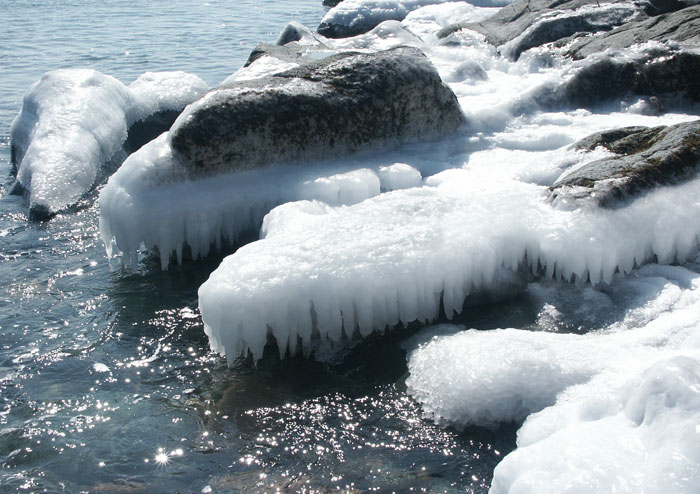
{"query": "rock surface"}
[(681, 26), (643, 158), (529, 23), (330, 107), (666, 78)]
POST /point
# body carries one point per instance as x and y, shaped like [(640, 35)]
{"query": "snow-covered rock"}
[(643, 159), (401, 256), (73, 122)]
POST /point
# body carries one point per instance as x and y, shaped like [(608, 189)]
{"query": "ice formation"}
[(612, 410), (394, 258), (140, 206), (358, 16), (73, 121)]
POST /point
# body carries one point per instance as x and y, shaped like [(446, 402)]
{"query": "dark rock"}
[(331, 3), (323, 109), (359, 25), (666, 79), (512, 20), (149, 128), (681, 26), (645, 158), (529, 23)]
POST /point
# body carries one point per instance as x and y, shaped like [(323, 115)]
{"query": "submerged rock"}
[(322, 109), (643, 159)]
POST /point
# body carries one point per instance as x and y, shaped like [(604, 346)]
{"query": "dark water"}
[(106, 380)]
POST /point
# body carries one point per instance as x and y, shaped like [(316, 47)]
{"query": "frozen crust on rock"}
[(74, 122)]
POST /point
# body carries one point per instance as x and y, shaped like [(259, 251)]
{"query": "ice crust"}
[(356, 12), (74, 121), (145, 203), (614, 410), (393, 258)]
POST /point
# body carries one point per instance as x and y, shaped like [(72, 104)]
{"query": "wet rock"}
[(323, 109), (529, 23), (644, 158), (665, 78), (681, 26)]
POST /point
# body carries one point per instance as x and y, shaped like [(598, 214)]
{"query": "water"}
[(106, 381)]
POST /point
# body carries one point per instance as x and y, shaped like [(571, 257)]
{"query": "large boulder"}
[(682, 26), (525, 24), (642, 158), (668, 77), (322, 109)]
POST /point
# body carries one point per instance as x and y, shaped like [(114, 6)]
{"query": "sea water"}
[(107, 383)]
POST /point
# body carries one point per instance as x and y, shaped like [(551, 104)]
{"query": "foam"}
[(74, 121), (614, 409)]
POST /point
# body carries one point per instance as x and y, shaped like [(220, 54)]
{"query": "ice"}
[(399, 176), (149, 201), (71, 122), (155, 92), (352, 13), (261, 67), (612, 410), (74, 121), (393, 258)]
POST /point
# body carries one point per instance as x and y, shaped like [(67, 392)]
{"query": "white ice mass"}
[(74, 121), (614, 410), (352, 13)]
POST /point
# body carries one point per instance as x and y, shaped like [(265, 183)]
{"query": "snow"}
[(154, 92), (615, 409), (399, 176), (73, 121)]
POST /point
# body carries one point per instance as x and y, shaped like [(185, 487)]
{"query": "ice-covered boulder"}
[(73, 124), (327, 108), (353, 17), (642, 159), (556, 24)]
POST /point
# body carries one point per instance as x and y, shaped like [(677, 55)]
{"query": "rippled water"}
[(106, 381)]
